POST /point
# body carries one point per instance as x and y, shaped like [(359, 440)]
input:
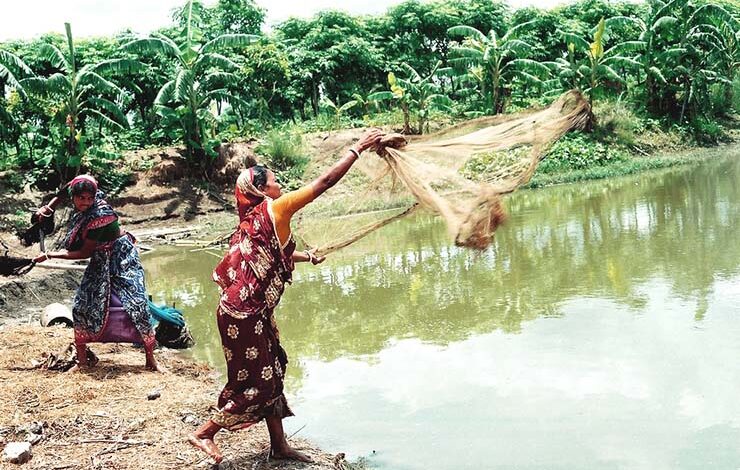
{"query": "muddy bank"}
[(103, 419), (25, 296)]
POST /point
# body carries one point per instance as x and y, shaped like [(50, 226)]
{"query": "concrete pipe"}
[(56, 314)]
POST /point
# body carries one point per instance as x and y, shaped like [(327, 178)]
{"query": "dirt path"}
[(104, 420)]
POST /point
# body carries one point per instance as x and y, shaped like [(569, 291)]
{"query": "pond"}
[(600, 330)]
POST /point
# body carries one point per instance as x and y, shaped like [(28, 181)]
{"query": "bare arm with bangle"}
[(307, 256), (339, 169), (48, 209), (83, 253), (320, 185)]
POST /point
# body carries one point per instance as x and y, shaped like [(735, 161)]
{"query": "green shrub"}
[(707, 132), (12, 181), (18, 222), (286, 156), (284, 149), (616, 122), (479, 166), (578, 151), (132, 139), (718, 97)]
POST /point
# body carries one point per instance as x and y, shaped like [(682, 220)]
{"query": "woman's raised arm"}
[(339, 169)]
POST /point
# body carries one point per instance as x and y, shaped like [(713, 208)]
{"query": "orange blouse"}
[(288, 204)]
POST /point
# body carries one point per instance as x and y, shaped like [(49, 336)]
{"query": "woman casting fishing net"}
[(252, 276), (111, 302)]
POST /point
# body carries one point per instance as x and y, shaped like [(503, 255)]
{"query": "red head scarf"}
[(247, 195), (81, 178)]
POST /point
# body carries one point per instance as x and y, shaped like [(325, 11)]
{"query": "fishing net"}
[(65, 359), (433, 173)]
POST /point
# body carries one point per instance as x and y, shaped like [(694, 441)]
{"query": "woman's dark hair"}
[(82, 187), (259, 176)]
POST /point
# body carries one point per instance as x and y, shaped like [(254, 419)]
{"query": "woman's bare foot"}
[(156, 367), (153, 365), (207, 445), (286, 452), (81, 367)]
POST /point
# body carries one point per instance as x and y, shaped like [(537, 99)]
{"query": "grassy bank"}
[(627, 166)]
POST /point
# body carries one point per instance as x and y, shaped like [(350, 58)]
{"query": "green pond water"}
[(600, 331)]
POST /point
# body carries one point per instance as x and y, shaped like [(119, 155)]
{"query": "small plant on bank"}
[(18, 221), (286, 156), (479, 167), (616, 122), (707, 131), (338, 110), (578, 151), (416, 95)]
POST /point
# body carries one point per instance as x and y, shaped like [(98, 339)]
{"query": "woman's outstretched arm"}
[(339, 169), (85, 252), (307, 256), (285, 206)]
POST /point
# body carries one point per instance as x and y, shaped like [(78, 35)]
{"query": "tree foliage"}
[(201, 79), (213, 74)]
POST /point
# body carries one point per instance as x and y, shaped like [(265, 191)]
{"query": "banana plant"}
[(415, 94), (600, 62), (656, 57), (364, 101), (685, 49), (339, 110), (12, 68), (683, 46), (77, 95), (496, 61), (727, 56), (706, 59), (200, 82)]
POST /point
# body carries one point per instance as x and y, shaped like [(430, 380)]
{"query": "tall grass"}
[(618, 168), (286, 156)]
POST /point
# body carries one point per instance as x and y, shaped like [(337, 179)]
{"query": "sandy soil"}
[(103, 419)]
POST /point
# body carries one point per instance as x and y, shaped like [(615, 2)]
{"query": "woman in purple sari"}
[(111, 303)]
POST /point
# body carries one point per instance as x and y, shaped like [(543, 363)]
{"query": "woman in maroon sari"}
[(252, 276)]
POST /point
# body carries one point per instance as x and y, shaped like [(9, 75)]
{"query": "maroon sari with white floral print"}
[(253, 275)]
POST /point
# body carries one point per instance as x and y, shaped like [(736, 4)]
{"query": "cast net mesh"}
[(428, 173)]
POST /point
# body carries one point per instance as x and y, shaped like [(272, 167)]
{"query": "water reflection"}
[(599, 330)]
